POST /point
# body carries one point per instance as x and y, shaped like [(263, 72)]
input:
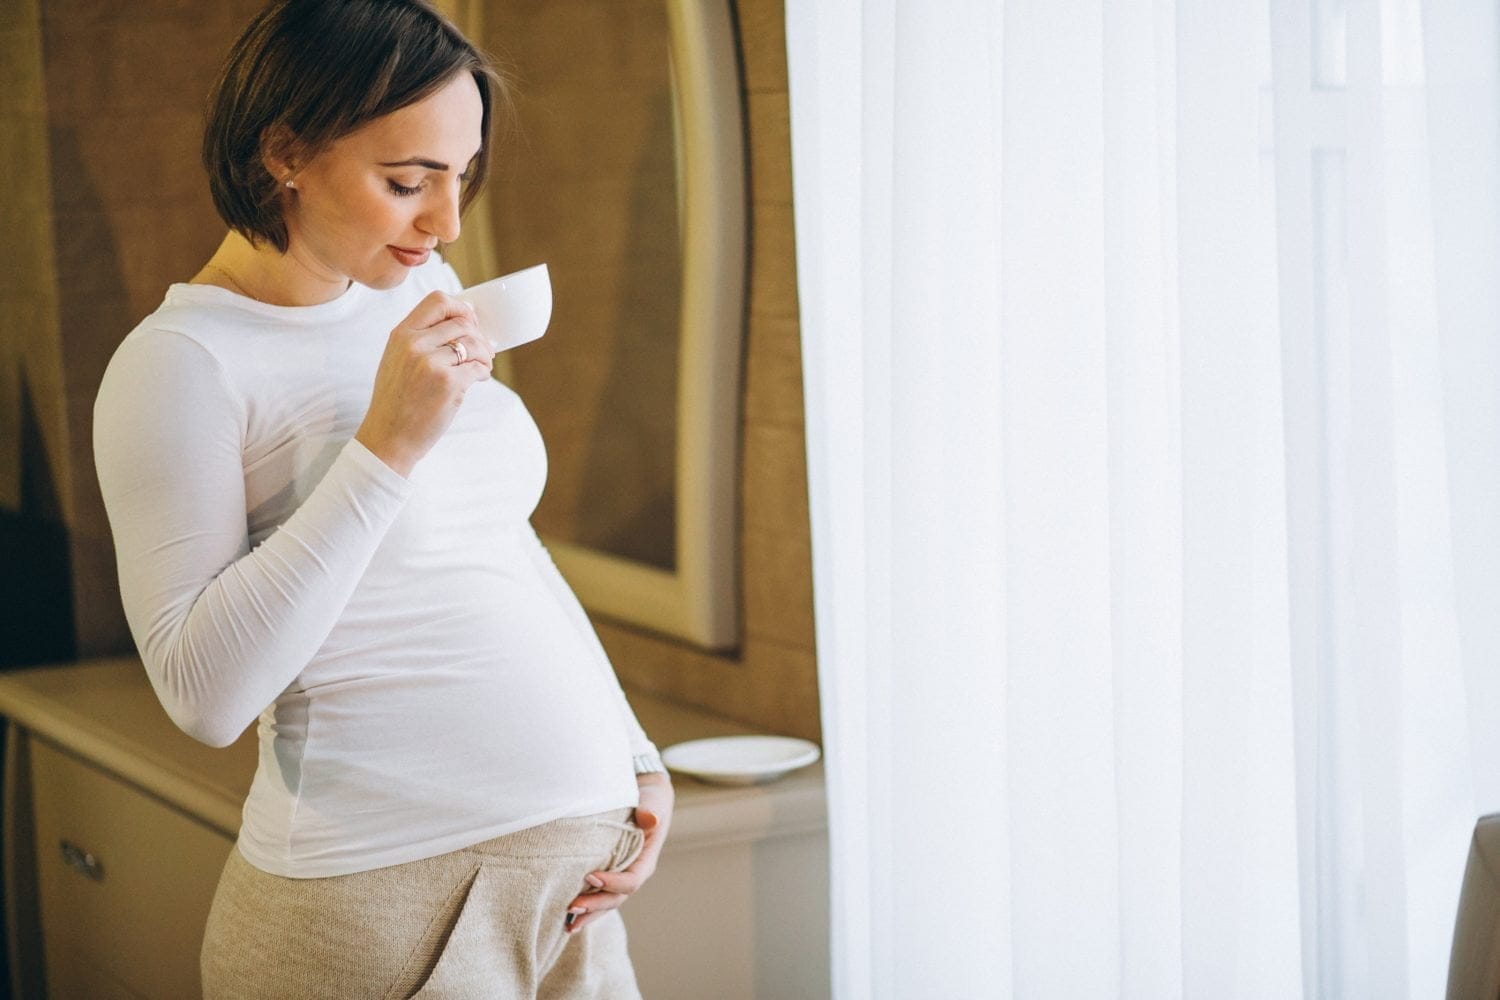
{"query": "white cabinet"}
[(124, 883), (742, 920)]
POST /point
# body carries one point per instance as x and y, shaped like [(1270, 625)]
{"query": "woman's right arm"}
[(222, 630)]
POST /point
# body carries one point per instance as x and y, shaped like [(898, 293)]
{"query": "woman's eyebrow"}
[(422, 161), (418, 161)]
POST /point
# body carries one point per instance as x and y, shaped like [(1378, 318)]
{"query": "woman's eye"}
[(401, 190)]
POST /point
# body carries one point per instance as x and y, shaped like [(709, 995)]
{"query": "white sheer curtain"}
[(1152, 357)]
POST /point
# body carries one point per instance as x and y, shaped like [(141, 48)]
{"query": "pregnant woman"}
[(320, 501)]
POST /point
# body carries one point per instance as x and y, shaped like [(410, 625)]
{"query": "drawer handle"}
[(82, 861)]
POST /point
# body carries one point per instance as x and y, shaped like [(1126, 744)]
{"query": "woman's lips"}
[(411, 258)]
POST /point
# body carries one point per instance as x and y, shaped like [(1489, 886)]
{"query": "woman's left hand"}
[(610, 889)]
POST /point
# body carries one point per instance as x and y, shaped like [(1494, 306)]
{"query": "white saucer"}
[(740, 760)]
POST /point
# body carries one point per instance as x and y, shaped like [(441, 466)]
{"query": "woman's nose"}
[(441, 218)]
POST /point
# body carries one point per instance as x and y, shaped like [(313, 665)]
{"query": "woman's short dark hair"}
[(312, 71)]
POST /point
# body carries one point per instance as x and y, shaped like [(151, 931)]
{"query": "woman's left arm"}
[(610, 889)]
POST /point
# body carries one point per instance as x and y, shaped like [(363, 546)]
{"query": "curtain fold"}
[(1153, 389)]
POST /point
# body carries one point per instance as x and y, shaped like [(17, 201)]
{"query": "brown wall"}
[(119, 104), (111, 118), (36, 620)]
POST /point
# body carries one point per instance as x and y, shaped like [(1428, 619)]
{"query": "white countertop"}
[(105, 712)]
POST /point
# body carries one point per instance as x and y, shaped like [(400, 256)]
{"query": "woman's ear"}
[(279, 154)]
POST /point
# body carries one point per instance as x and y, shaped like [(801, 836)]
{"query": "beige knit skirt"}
[(485, 922)]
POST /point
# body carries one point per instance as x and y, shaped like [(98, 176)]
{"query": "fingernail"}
[(568, 920), (595, 881), (576, 910)]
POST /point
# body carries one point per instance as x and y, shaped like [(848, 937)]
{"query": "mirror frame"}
[(699, 600)]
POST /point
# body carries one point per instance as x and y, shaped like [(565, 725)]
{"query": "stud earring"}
[(290, 184)]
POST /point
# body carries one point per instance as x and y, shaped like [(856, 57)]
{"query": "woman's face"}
[(373, 204)]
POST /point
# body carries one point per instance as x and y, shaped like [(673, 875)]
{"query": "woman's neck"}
[(266, 275)]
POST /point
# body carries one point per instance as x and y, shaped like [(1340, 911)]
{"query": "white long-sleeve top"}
[(423, 677)]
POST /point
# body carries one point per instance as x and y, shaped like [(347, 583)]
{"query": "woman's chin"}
[(383, 278)]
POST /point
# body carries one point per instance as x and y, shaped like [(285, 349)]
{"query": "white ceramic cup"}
[(514, 309)]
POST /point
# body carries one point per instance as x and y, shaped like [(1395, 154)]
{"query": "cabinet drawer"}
[(124, 882)]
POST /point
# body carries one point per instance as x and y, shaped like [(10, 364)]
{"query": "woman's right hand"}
[(421, 383)]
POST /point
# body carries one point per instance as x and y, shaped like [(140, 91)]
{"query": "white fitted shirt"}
[(422, 676)]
